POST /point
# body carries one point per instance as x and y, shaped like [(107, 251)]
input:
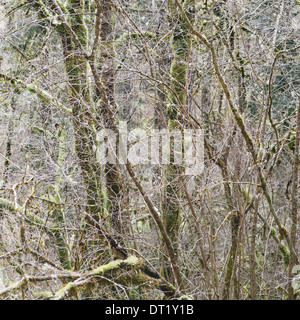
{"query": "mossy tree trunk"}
[(107, 69), (181, 47), (80, 98)]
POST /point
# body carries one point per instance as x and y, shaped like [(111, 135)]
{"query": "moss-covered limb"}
[(13, 287), (117, 267), (42, 94), (104, 270), (79, 281), (26, 280), (30, 217), (130, 261)]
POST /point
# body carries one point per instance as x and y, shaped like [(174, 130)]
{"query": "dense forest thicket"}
[(78, 220)]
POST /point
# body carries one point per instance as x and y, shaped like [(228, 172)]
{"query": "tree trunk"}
[(181, 47)]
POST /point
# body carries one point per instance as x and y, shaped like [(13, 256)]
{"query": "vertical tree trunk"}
[(294, 199), (107, 57), (113, 186), (181, 47), (80, 98)]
